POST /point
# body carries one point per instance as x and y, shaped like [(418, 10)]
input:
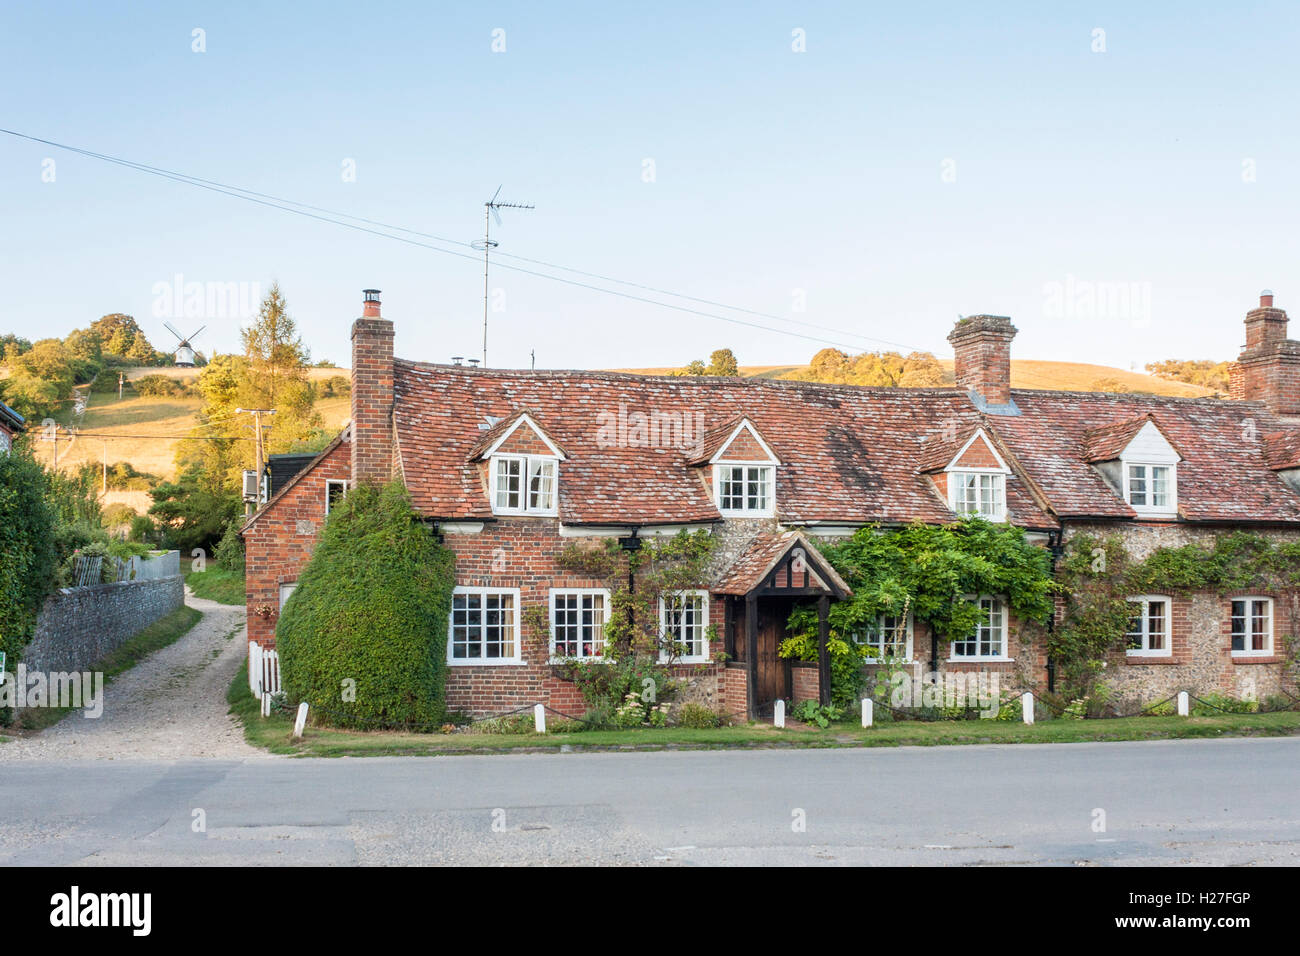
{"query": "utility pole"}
[(487, 245), (257, 414), (104, 489), (121, 380)]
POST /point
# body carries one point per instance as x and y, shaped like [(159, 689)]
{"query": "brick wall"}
[(79, 626), (372, 399), (982, 356), (805, 682), (281, 541)]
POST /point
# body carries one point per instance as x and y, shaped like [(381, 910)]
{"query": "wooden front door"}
[(773, 672)]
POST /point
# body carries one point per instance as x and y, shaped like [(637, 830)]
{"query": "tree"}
[(875, 369), (275, 375), (1204, 372), (192, 510), (363, 638), (722, 362), (27, 553)]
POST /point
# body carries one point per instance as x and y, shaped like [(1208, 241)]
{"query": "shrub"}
[(698, 716), (157, 385), (811, 712), (28, 558), (1212, 705), (116, 515), (229, 553), (363, 638)]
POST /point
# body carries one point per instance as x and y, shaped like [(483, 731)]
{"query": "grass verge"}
[(162, 632), (224, 587), (274, 734)]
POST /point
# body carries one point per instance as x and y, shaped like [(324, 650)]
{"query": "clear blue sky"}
[(775, 171)]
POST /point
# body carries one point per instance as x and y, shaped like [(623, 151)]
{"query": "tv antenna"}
[(487, 245)]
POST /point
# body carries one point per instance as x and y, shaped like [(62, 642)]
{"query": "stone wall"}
[(79, 626)]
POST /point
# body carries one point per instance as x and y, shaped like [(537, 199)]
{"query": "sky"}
[(1121, 182)]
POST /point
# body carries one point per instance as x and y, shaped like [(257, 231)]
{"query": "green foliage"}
[(847, 657), (371, 607), (193, 511), (698, 716), (160, 385), (721, 363), (117, 515), (1211, 705), (878, 369), (229, 553), (810, 712), (28, 556)]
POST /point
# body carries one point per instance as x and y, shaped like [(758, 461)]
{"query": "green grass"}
[(274, 733), (224, 587), (161, 633)]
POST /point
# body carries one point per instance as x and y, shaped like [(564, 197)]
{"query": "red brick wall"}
[(805, 681), (978, 455), (372, 399), (281, 540), (744, 447), (982, 356)]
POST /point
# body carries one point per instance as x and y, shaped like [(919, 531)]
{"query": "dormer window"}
[(744, 470), (1151, 486), (977, 480), (523, 484), (523, 466), (1136, 459)]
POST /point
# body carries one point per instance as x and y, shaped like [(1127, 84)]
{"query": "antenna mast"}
[(487, 245)]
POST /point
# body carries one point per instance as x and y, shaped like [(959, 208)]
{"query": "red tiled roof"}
[(1107, 442), (491, 435), (764, 552), (850, 454), (1282, 449)]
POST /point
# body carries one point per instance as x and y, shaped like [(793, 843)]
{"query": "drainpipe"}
[(629, 545), (1056, 549)]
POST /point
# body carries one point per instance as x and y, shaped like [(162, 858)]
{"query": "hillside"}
[(1025, 373), (144, 430)]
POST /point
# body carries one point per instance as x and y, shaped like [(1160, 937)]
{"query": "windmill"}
[(487, 244), (185, 351)]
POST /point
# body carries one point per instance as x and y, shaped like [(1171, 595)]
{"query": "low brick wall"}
[(79, 626), (806, 681)]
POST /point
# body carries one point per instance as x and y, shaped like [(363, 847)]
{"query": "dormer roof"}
[(736, 439), (518, 433), (1109, 442)]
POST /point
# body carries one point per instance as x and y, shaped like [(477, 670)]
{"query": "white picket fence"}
[(263, 674)]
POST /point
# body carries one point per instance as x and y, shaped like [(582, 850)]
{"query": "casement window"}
[(285, 591), (889, 637), (989, 640), (335, 489), (578, 623), (1150, 487), (683, 623), (982, 494), (745, 490), (1149, 633), (1252, 627), (484, 626), (524, 484)]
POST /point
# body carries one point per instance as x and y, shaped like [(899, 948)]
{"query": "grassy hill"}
[(144, 430), (1025, 373)]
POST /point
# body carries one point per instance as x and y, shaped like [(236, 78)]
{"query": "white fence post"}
[(539, 718), (266, 705), (868, 711), (1027, 707), (1184, 705), (778, 714), (300, 724)]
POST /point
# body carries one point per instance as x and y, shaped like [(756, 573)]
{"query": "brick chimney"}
[(982, 346), (1268, 369), (372, 393)]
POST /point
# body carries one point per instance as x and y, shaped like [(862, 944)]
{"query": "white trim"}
[(979, 433), (1000, 489), (768, 512), (334, 481), (955, 658), (745, 424), (1167, 510), (516, 659), (1145, 600), (605, 531), (556, 659), (537, 430), (908, 628), (702, 658), (526, 463), (1246, 651)]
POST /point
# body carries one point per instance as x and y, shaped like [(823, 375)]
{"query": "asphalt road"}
[(1164, 803)]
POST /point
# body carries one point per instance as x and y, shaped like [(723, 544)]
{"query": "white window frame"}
[(286, 590), (1171, 507), (527, 463), (582, 592), (999, 479), (516, 658), (1005, 629), (1250, 600), (873, 637), (703, 625), (1146, 600), (768, 509), (329, 483)]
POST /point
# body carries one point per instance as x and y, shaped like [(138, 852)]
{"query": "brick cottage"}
[(511, 467)]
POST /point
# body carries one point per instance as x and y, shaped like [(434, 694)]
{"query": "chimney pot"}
[(1266, 299), (370, 303)]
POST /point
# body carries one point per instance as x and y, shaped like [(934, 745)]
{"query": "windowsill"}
[(1149, 659), (485, 662), (747, 514), (981, 660), (1167, 515), (1260, 658), (577, 660), (685, 660), (884, 661), (525, 514)]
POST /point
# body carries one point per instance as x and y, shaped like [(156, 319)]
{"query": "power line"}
[(335, 218)]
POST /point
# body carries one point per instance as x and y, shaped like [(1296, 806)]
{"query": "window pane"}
[(508, 482), (1155, 625), (541, 484), (1239, 625), (1137, 484)]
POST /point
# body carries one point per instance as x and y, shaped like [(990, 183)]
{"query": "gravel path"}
[(172, 705)]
